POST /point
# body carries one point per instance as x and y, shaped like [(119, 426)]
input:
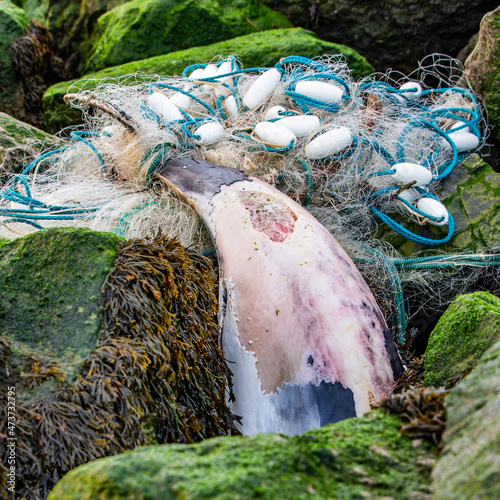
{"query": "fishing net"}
[(357, 154)]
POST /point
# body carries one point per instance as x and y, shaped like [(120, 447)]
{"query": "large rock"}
[(72, 23), (469, 326), (13, 22), (19, 143), (483, 67), (470, 193), (145, 28), (50, 285), (394, 33), (469, 466), (255, 50), (356, 458), (102, 361)]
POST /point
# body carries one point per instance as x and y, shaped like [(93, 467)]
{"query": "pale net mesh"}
[(110, 171)]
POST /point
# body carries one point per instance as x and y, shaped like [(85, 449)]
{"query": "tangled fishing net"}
[(357, 153)]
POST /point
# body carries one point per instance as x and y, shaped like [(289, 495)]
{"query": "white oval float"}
[(414, 94), (274, 112), (164, 107), (409, 172), (274, 134), (300, 125), (464, 141), (197, 73), (329, 143), (409, 195), (458, 124), (223, 69), (262, 88), (181, 100), (209, 133), (231, 105), (435, 208), (321, 91)]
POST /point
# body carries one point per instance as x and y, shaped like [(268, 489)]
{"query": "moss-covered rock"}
[(469, 467), (353, 459), (50, 286), (469, 326), (470, 193), (13, 21), (20, 142), (155, 375), (255, 50), (482, 67), (71, 22), (145, 28)]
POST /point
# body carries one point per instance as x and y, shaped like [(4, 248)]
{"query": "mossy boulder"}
[(469, 466), (50, 286), (71, 22), (483, 70), (20, 143), (145, 28), (471, 194), (353, 459), (469, 326), (13, 21), (255, 50)]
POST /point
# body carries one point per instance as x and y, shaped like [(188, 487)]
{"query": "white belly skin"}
[(297, 311)]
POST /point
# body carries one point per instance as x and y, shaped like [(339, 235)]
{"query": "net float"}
[(321, 91), (434, 208), (329, 143), (412, 172), (262, 88), (275, 134), (164, 107)]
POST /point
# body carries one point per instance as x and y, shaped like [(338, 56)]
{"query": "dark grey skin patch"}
[(334, 403), (198, 177)]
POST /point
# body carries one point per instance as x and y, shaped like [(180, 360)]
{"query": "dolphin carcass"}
[(301, 331)]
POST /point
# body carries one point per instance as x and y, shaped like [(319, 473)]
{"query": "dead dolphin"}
[(301, 331)]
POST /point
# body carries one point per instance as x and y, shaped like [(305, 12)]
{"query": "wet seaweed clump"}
[(413, 376), (37, 67), (156, 375), (424, 410)]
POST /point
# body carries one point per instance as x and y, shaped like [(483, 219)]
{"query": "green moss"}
[(469, 465), (469, 326), (20, 132), (353, 459), (50, 285), (146, 28), (255, 50)]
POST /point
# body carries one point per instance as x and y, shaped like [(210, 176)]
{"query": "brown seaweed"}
[(157, 371), (423, 408)]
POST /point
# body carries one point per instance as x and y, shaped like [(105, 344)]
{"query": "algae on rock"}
[(469, 326), (156, 373), (147, 28), (469, 466), (256, 50), (357, 458), (19, 142), (51, 282)]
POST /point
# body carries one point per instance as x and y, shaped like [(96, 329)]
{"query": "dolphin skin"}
[(301, 331)]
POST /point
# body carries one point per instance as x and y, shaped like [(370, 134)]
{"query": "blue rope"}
[(412, 236), (79, 136)]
